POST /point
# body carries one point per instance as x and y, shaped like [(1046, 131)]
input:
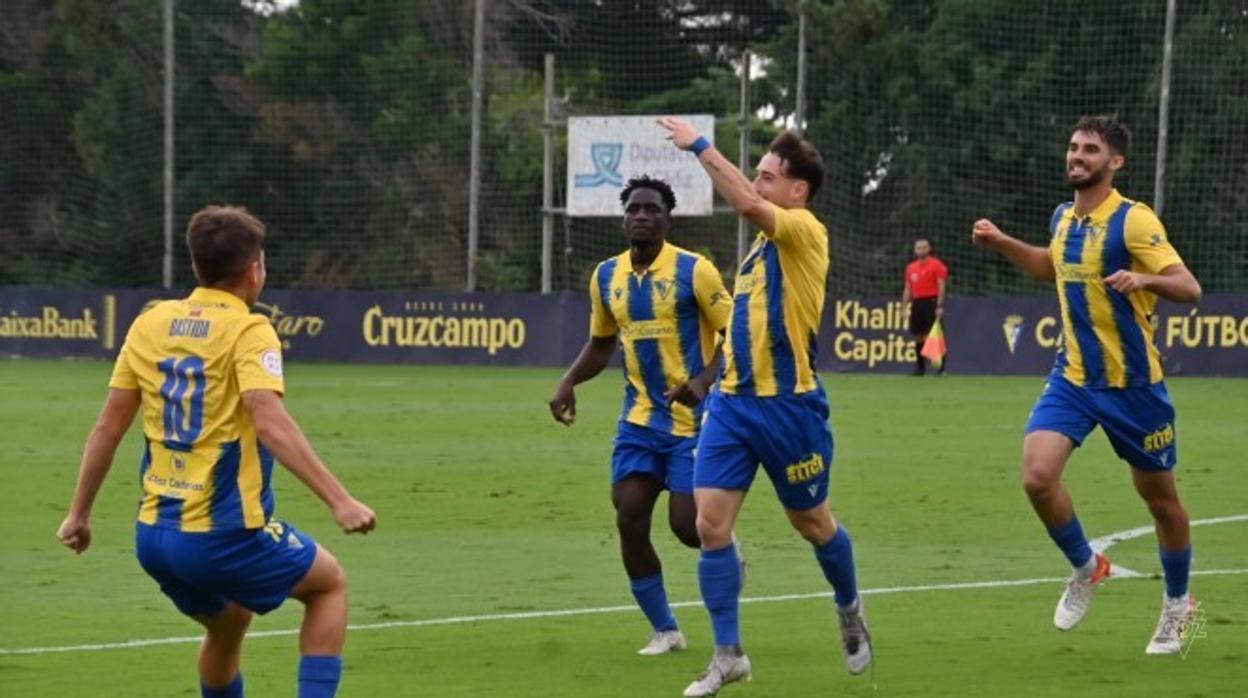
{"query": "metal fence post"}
[(167, 259), (743, 159), (474, 172), (1163, 112), (799, 107), (548, 175)]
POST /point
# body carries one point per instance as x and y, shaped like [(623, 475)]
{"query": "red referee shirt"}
[(922, 277)]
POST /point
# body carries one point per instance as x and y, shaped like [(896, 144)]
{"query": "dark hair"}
[(222, 241), (654, 184), (931, 246), (800, 159), (1109, 128)]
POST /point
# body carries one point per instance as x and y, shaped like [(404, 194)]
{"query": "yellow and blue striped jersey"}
[(777, 306), (203, 468), (1107, 336), (666, 320)]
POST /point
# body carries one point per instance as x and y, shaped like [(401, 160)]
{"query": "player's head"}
[(791, 172), (922, 247), (648, 205), (227, 250), (1096, 151)]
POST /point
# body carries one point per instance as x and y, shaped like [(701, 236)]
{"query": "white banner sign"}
[(604, 152)]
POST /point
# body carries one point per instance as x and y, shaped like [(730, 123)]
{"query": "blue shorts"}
[(200, 572), (665, 457), (1138, 421), (788, 434)]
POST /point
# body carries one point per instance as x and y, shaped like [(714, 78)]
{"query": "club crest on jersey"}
[(664, 287), (178, 462), (618, 293), (1013, 329), (808, 468)]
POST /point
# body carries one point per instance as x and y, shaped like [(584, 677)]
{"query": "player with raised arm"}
[(665, 307), (1111, 260), (770, 406), (207, 374)]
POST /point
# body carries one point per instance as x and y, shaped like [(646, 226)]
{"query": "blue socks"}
[(836, 557), (319, 675), (234, 690), (652, 598), (719, 576), (1177, 565), (1069, 537)]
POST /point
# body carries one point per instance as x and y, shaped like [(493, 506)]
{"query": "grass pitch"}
[(487, 507)]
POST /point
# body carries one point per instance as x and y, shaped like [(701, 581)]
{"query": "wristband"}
[(700, 145)]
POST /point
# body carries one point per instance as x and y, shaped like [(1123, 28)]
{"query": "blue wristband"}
[(700, 145)]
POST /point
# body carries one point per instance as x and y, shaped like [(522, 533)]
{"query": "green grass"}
[(486, 506)]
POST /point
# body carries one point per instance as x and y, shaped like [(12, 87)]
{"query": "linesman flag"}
[(934, 349)]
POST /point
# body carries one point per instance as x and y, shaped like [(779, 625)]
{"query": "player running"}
[(208, 375), (770, 407), (666, 307), (1111, 260)]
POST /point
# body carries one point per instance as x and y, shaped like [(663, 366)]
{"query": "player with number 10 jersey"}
[(204, 469), (208, 376)]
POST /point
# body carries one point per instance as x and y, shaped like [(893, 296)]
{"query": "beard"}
[(1091, 179)]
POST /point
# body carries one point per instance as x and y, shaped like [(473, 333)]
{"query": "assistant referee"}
[(923, 298)]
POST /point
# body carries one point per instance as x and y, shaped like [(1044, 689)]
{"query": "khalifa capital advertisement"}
[(987, 336), (1018, 335)]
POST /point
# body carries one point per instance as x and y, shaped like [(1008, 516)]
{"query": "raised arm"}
[(735, 187), (594, 357), (1030, 258), (97, 457), (283, 437)]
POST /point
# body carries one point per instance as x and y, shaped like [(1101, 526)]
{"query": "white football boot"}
[(1077, 597), (855, 638), (723, 669), (1172, 626), (664, 642)]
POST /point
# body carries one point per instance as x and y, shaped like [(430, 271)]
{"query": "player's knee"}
[(813, 530), (338, 578), (327, 577), (632, 522), (1038, 481), (1165, 509), (713, 533), (686, 531), (811, 533)]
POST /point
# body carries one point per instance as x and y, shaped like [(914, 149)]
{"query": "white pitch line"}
[(1099, 544), (562, 613), (1103, 543)]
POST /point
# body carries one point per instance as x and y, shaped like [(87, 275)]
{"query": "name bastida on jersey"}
[(203, 468)]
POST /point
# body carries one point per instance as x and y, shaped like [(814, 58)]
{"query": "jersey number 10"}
[(182, 423)]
